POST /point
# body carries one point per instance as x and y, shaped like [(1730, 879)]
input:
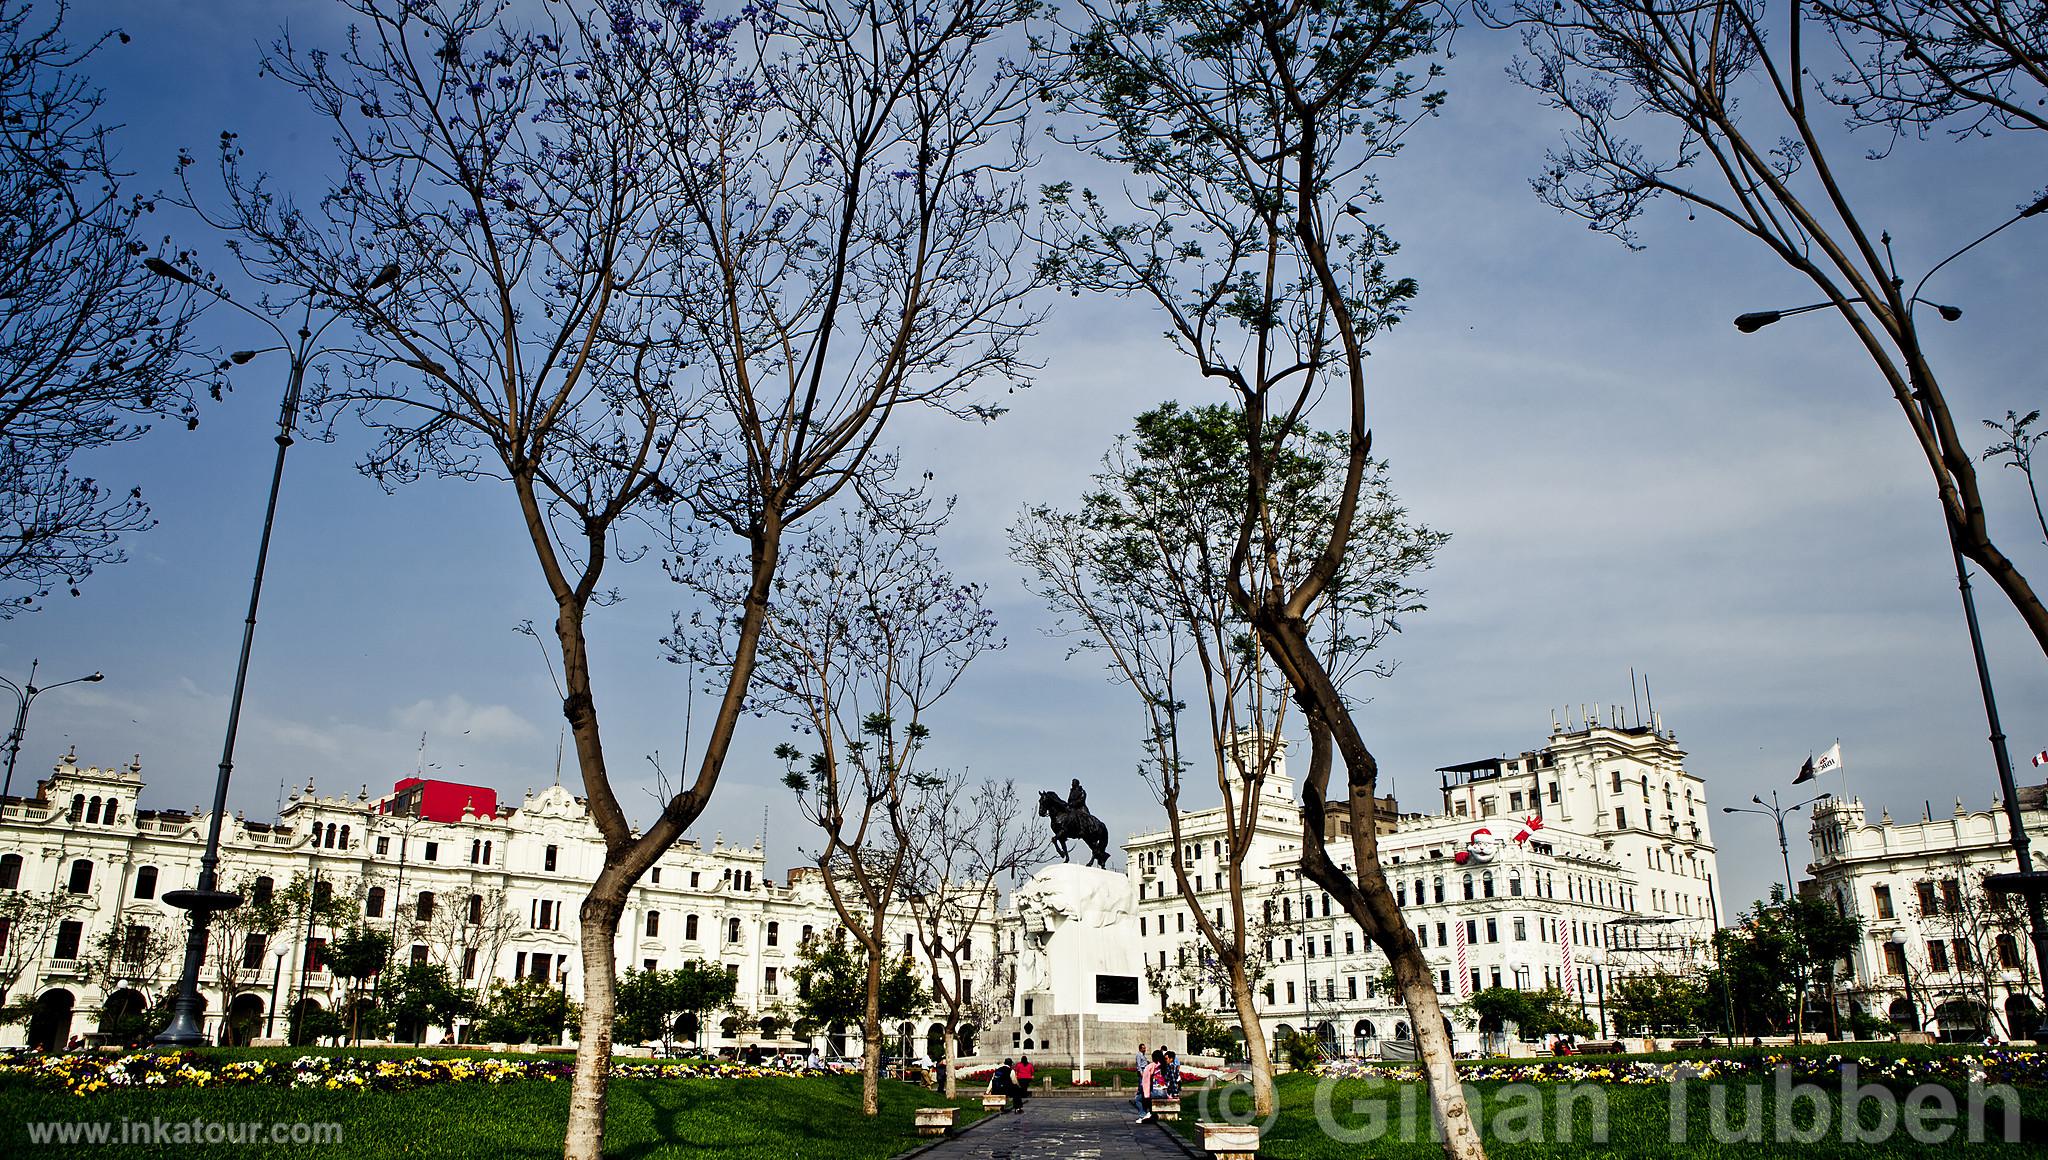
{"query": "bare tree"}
[(1139, 575), (91, 348), (31, 919), (1251, 131), (1973, 65), (1984, 932), (663, 274), (959, 846), (1737, 103), (864, 634)]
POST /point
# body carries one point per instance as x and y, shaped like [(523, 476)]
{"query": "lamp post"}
[(2029, 883), (276, 978), (24, 696), (1772, 810), (301, 348)]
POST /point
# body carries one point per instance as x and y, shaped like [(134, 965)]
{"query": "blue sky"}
[(1628, 481)]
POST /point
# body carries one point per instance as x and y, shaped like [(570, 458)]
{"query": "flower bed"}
[(1995, 1066), (85, 1074)]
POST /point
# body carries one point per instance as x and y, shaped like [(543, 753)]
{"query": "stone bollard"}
[(1230, 1141), (934, 1121), (1166, 1107), (992, 1102)]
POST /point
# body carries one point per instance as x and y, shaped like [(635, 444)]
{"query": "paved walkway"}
[(1053, 1128)]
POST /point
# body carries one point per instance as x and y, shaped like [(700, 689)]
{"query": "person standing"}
[(1024, 1072), (1138, 1063), (1004, 1083)]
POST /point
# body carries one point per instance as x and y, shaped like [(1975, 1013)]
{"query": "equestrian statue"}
[(1071, 819)]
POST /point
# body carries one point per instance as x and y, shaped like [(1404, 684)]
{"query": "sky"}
[(1628, 482)]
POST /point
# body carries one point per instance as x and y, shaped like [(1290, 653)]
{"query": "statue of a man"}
[(1077, 798)]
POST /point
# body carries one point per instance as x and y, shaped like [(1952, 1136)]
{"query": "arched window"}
[(145, 882), (10, 871), (423, 909), (77, 807), (1515, 883), (1486, 883), (808, 932), (344, 837), (373, 903), (113, 811), (1438, 887), (81, 877), (775, 933), (476, 909), (261, 893), (487, 853), (690, 928), (653, 923), (1468, 888), (476, 851), (92, 812), (732, 931)]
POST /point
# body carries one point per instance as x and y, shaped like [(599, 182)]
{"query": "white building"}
[(1569, 866), (1939, 953), (489, 892)]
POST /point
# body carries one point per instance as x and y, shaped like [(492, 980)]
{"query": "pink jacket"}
[(1148, 1079)]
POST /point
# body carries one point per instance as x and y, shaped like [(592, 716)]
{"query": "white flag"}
[(1828, 762)]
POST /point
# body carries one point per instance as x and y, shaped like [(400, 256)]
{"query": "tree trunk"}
[(1447, 1107), (871, 1038), (1256, 1054), (584, 1139), (950, 1057)]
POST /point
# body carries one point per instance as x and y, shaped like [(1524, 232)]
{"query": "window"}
[(1927, 904), (253, 947), (1514, 883), (476, 910), (967, 943), (423, 907), (433, 851), (1471, 930), (1937, 953), (1468, 888), (1620, 818), (316, 954), (1515, 800), (81, 883), (263, 891), (1438, 885), (653, 923), (1351, 986), (690, 928), (383, 846), (2008, 952), (805, 937), (1486, 883), (1492, 930), (693, 879), (77, 808), (549, 859), (1553, 793), (1883, 895), (145, 880), (373, 904), (68, 936), (10, 874), (1615, 784), (654, 875), (1965, 954), (469, 964), (774, 933), (732, 933), (768, 982), (419, 955), (1521, 930), (1350, 944), (1951, 895)]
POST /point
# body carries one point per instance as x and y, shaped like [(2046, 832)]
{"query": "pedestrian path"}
[(1052, 1128)]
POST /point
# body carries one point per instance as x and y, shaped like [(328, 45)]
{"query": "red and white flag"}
[(1571, 974), (2041, 758), (1464, 974)]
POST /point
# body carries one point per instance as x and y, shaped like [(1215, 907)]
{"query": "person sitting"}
[(1003, 1083), (1148, 1080)]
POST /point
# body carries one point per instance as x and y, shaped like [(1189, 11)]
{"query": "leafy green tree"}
[(1535, 1014), (357, 956), (527, 1011), (420, 995), (1140, 576), (1774, 955), (831, 984), (649, 1002), (1660, 1002)]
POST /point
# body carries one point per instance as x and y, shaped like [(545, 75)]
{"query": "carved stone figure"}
[(1071, 820)]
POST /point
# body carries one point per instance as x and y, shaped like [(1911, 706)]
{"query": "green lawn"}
[(741, 1119), (1324, 1120)]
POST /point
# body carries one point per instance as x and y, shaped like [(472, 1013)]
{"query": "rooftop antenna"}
[(280, 799), (419, 762), (1650, 702), (1632, 695), (559, 735)]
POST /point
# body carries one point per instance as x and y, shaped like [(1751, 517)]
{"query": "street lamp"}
[(24, 696), (2028, 883), (205, 898), (1772, 810)]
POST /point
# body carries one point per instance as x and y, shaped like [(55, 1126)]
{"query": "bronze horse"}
[(1068, 824)]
